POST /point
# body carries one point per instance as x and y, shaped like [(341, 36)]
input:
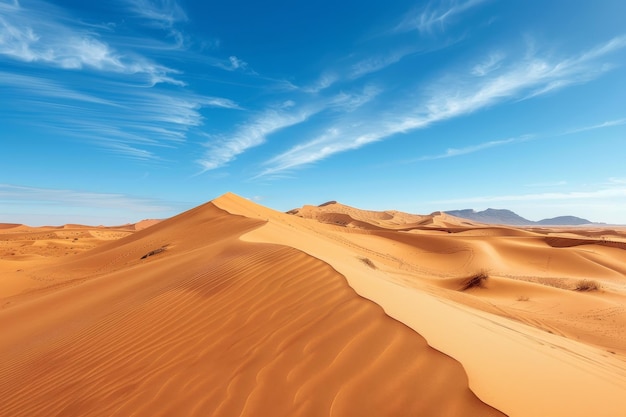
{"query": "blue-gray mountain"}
[(502, 216)]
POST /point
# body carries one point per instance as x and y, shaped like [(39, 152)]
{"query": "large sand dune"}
[(233, 309), (213, 326)]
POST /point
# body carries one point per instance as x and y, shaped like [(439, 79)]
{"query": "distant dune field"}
[(234, 309)]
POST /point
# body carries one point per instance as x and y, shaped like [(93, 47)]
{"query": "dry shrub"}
[(476, 280), (153, 252), (587, 285), (523, 298), (368, 262)]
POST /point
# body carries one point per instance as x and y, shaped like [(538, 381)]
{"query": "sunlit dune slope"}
[(557, 259), (185, 319), (534, 337), (339, 214)]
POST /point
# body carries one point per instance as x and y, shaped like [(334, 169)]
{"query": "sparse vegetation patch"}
[(368, 262), (587, 285), (476, 280), (154, 252)]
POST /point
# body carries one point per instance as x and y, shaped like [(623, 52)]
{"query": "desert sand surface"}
[(530, 342), (24, 248), (234, 309), (184, 318)]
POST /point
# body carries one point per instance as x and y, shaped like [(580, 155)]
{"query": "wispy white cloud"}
[(128, 151), (125, 121), (352, 101), (117, 112), (356, 70), (49, 88), (71, 198), (334, 140), (178, 109), (435, 16), (163, 121), (377, 63), (287, 104), (529, 76), (451, 152), (524, 138), (451, 97), (492, 63), (326, 80), (29, 35), (162, 12), (609, 123), (234, 64), (224, 148)]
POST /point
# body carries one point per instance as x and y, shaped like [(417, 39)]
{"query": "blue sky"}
[(112, 112)]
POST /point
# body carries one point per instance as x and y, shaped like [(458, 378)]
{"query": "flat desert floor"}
[(234, 309)]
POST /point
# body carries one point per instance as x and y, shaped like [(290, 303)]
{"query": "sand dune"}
[(214, 326), (24, 249), (530, 343), (234, 309), (339, 214)]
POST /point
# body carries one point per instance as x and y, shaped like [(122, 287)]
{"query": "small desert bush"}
[(523, 298), (587, 285), (368, 262), (475, 280), (153, 252)]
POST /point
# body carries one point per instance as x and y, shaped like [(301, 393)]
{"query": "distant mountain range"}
[(502, 216)]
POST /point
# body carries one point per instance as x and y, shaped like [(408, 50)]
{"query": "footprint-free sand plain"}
[(234, 309)]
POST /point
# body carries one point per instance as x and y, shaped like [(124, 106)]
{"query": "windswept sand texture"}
[(531, 344), (233, 309), (212, 326)]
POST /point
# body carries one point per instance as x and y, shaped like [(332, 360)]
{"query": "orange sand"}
[(531, 345), (233, 309), (212, 326)]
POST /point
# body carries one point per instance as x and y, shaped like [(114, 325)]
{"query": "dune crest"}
[(232, 308), (531, 344), (342, 215), (184, 318)]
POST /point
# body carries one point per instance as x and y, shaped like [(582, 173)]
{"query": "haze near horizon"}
[(112, 113)]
